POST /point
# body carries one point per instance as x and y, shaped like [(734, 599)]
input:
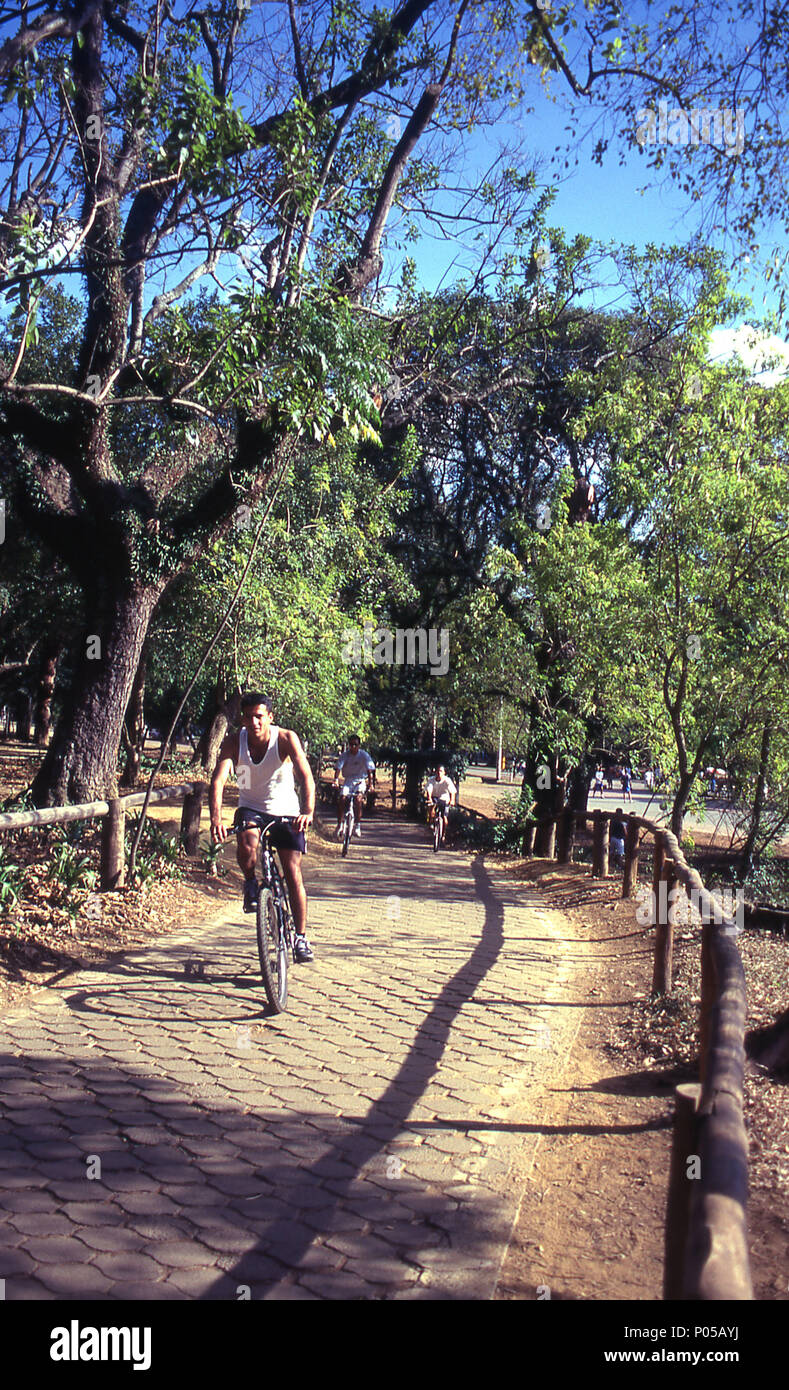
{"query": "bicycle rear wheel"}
[(273, 951)]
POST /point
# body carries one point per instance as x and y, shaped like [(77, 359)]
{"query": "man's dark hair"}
[(252, 698), (356, 738)]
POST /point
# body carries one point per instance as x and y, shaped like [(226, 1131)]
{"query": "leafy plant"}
[(211, 861), (11, 881), (513, 814), (159, 854), (74, 878)]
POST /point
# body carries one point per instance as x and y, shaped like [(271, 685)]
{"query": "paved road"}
[(162, 1138), (716, 816)]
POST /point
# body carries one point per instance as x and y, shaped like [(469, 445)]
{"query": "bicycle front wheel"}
[(273, 951), (346, 838), (436, 832)]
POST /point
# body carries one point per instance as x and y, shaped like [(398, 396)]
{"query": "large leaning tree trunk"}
[(82, 761), (132, 443)]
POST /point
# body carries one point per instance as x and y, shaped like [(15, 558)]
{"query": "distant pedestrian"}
[(616, 837), (649, 778), (597, 785), (627, 781)]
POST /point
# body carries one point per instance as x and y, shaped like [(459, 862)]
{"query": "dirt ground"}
[(590, 1225)]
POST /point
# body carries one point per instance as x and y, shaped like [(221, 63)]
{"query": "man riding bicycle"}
[(440, 792), (353, 767), (265, 758)]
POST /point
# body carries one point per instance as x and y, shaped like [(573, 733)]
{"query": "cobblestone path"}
[(163, 1138)]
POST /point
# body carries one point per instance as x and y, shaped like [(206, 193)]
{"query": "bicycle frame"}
[(274, 879)]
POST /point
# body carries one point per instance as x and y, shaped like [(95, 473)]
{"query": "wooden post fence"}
[(706, 1247), (601, 833), (566, 836), (630, 879), (686, 1104), (190, 819), (112, 872)]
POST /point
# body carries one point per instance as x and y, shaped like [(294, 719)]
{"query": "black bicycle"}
[(276, 932), (439, 822), (349, 822)]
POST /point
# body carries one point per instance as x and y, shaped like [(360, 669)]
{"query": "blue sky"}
[(623, 202)]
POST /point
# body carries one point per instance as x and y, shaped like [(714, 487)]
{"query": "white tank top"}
[(267, 785)]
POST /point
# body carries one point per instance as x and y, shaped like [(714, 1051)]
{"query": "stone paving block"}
[(180, 1254), (41, 1223), (17, 1261), (389, 1273), (227, 1239), (195, 1195), (336, 1285), (324, 1220), (74, 1281), (130, 1266), (111, 1238), (195, 1283), (138, 1291), (18, 1290), (289, 1293)]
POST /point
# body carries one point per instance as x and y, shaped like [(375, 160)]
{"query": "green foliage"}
[(159, 855), (768, 883), (11, 882), (513, 814), (71, 874)]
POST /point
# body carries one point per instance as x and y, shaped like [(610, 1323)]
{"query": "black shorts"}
[(282, 834)]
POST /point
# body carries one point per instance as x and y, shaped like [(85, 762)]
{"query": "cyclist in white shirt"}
[(440, 792), (267, 760), (354, 767)]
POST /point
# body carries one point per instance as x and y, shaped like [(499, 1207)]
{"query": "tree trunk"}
[(746, 859), (24, 716), (226, 711), (134, 726), (82, 761), (42, 718)]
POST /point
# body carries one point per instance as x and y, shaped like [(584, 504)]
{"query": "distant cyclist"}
[(353, 767), (440, 792), (265, 758)]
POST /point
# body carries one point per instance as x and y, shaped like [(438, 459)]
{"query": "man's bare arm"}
[(226, 761), (304, 774)]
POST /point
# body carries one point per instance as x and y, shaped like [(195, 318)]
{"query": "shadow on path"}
[(388, 1114)]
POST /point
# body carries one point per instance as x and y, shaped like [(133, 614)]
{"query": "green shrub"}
[(11, 881), (514, 811)]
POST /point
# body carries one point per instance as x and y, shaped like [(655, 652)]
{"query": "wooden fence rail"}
[(113, 815), (706, 1245)]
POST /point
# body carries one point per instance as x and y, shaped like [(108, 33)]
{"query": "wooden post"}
[(662, 884), (601, 832), (190, 819), (527, 848), (565, 837), (686, 1104), (630, 879), (546, 839), (708, 989), (113, 848)]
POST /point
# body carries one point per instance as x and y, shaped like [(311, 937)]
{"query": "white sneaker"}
[(358, 832)]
